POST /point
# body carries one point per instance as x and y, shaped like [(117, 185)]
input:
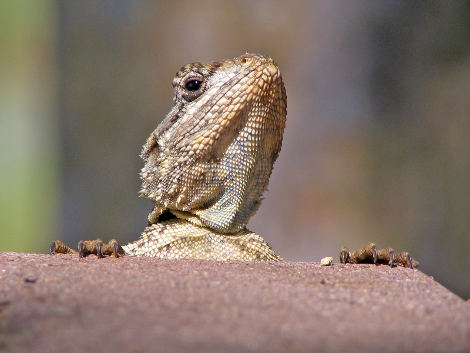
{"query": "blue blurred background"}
[(376, 148)]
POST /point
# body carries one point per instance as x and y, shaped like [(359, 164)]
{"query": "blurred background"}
[(376, 147)]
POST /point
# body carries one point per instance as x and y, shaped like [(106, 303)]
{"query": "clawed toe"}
[(112, 248), (100, 249), (89, 247), (371, 255), (345, 255), (58, 247), (117, 249)]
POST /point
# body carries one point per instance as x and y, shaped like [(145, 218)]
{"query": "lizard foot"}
[(88, 247), (371, 255)]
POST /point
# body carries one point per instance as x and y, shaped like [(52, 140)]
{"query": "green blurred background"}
[(377, 143)]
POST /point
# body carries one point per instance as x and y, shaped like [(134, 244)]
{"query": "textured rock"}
[(60, 304)]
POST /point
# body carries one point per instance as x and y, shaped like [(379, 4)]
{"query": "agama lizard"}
[(208, 164)]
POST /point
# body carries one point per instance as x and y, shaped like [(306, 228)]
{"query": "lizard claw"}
[(80, 247), (345, 255), (117, 249), (392, 258), (373, 248), (371, 255), (88, 247), (99, 248), (58, 247), (410, 261)]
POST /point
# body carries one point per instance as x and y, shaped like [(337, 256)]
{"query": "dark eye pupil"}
[(193, 85)]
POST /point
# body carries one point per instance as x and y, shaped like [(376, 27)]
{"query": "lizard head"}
[(210, 159)]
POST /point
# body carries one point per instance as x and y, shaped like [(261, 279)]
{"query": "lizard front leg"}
[(371, 255), (88, 247)]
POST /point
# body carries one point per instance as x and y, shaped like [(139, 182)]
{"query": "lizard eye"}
[(193, 85)]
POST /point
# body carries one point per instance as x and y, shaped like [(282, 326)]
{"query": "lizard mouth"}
[(165, 216)]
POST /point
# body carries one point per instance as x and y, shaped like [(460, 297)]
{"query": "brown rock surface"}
[(60, 304)]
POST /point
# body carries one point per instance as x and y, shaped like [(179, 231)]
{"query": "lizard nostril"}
[(272, 69)]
